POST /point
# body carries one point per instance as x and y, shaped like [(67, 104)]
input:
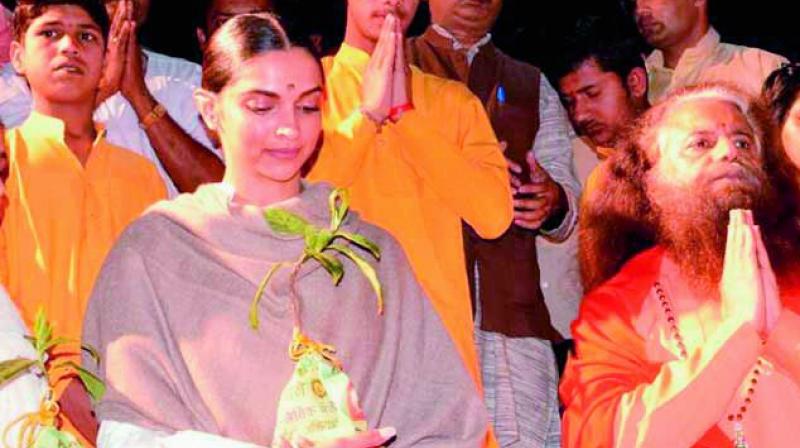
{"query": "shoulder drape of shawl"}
[(169, 316)]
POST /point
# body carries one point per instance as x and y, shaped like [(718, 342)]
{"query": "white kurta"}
[(22, 395)]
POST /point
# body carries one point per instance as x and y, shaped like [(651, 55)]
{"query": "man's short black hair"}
[(29, 10), (204, 7), (611, 51), (628, 7)]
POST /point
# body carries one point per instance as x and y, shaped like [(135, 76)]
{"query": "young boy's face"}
[(61, 55), (368, 15)]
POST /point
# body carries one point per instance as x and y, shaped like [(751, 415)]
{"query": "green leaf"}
[(317, 239), (366, 269), (42, 331), (51, 437), (332, 265), (310, 238), (323, 239), (285, 223), (39, 323), (362, 242), (339, 203), (93, 384), (13, 368), (311, 235), (254, 321)]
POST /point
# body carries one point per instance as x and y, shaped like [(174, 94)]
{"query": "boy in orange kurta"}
[(70, 193)]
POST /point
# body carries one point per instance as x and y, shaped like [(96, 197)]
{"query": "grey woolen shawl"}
[(169, 315)]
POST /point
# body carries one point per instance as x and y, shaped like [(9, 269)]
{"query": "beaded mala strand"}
[(736, 418)]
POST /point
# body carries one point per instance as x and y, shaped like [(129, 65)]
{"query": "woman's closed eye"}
[(259, 106)]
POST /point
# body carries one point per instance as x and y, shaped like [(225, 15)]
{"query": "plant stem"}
[(294, 294)]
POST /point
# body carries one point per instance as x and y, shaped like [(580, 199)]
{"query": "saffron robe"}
[(629, 385)]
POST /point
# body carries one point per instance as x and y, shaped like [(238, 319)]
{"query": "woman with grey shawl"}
[(169, 312)]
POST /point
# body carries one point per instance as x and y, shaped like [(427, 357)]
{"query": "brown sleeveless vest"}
[(508, 270)]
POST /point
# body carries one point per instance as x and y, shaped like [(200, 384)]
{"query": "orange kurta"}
[(419, 178), (63, 217)]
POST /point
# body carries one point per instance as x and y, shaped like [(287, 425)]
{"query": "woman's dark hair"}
[(238, 40), (29, 10), (780, 91)]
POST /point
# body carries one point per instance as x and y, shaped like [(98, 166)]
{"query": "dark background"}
[(531, 30)]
